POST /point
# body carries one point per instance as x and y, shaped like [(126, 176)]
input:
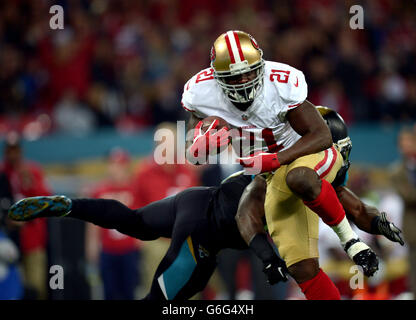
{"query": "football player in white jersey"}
[(268, 100)]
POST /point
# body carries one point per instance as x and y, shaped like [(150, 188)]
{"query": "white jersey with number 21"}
[(264, 121)]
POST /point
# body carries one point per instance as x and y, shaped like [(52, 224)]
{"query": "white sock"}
[(345, 234), (344, 231)]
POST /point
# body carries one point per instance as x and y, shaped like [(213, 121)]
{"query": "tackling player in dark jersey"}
[(200, 221)]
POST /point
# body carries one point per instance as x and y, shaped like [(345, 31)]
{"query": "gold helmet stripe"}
[(234, 47)]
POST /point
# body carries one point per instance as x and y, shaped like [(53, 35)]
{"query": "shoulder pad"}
[(195, 87), (289, 82)]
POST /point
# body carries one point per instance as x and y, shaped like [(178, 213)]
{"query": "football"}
[(221, 124)]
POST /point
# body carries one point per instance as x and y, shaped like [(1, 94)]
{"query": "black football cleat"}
[(363, 256), (39, 207)]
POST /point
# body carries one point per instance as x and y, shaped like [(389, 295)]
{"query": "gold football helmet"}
[(233, 54)]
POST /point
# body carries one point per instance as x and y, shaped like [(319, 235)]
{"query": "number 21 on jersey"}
[(280, 75)]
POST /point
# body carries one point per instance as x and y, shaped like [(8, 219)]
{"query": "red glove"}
[(260, 162), (210, 140)]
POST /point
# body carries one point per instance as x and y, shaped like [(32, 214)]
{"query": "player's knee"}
[(139, 229), (304, 182), (304, 270)]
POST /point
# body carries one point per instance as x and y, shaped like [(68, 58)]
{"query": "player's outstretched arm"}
[(250, 211), (366, 217), (249, 220)]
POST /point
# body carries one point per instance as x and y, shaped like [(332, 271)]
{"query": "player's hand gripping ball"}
[(210, 136)]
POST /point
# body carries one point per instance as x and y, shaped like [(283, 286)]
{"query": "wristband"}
[(276, 162), (262, 247), (374, 225)]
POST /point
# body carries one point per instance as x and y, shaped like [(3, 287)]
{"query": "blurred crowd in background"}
[(122, 65)]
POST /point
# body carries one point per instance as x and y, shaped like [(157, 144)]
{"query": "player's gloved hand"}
[(388, 229), (260, 162), (276, 270), (274, 267), (210, 140)]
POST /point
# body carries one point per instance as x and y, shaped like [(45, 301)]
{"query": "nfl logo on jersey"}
[(244, 117)]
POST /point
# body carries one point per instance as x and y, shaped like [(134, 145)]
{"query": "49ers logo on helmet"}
[(212, 53), (254, 42)]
